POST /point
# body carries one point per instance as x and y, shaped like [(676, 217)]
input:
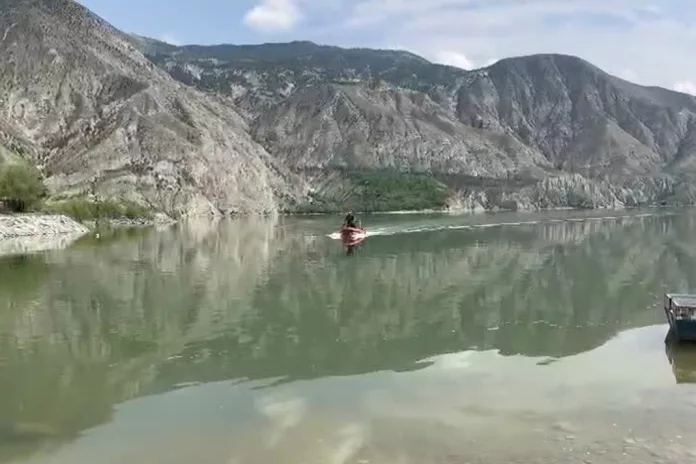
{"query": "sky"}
[(650, 42)]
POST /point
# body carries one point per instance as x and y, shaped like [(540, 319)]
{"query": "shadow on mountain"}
[(112, 319)]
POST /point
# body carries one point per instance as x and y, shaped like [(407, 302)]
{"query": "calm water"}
[(530, 338)]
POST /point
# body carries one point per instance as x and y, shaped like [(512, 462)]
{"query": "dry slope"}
[(82, 103), (597, 140)]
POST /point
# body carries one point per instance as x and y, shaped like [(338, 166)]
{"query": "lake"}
[(493, 338)]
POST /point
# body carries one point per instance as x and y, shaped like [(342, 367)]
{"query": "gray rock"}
[(98, 117), (578, 136), (330, 126), (253, 129), (38, 225)]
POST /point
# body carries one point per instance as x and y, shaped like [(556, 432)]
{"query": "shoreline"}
[(14, 226), (38, 225), (37, 232), (464, 211)]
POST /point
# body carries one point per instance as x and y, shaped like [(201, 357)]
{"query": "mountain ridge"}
[(103, 120), (263, 128)]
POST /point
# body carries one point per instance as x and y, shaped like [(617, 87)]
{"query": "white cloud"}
[(686, 87), (274, 15), (456, 59), (628, 74), (635, 39), (643, 41), (169, 39)]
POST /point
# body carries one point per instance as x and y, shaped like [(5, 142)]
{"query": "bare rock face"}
[(82, 103), (254, 129), (328, 126), (582, 119), (579, 136)]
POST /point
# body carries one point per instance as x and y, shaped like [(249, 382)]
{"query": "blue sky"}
[(650, 42)]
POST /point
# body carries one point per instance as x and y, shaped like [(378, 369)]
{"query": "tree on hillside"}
[(21, 187)]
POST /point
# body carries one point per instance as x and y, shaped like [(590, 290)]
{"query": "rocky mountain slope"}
[(97, 117), (576, 135)]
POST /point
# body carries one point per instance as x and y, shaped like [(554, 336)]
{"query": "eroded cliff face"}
[(582, 119), (576, 135), (255, 129), (96, 116), (328, 126)]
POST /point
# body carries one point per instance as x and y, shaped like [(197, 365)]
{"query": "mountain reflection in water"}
[(267, 304)]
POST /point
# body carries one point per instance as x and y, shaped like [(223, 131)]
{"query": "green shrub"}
[(84, 209), (77, 209), (135, 211), (21, 187), (380, 191), (391, 190)]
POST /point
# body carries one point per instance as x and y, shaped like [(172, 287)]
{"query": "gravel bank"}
[(26, 225)]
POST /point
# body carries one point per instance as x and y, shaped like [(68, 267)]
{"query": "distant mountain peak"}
[(254, 127)]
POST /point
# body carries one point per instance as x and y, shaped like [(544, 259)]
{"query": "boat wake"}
[(398, 230), (337, 235)]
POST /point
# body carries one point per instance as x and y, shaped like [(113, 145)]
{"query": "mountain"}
[(572, 134), (301, 126), (98, 117)]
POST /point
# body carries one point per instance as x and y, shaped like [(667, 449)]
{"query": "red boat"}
[(352, 231), (351, 236)]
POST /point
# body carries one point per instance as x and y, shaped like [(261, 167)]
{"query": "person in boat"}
[(350, 221)]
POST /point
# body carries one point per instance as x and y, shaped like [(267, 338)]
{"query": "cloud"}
[(273, 15), (451, 58), (644, 41), (628, 74), (648, 42), (169, 39), (686, 87)]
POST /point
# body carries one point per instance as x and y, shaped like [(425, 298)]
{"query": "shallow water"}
[(441, 339)]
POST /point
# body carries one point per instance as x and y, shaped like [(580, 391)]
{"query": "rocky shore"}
[(159, 219), (29, 225), (27, 233)]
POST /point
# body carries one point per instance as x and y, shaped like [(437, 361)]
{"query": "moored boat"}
[(680, 310)]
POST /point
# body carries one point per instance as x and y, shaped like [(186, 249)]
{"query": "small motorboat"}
[(352, 232), (352, 236)]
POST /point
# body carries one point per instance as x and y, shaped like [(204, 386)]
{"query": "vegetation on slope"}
[(301, 62), (85, 209), (21, 187), (380, 191), (22, 190)]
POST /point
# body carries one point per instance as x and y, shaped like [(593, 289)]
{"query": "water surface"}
[(488, 338)]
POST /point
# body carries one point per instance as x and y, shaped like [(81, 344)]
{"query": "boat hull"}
[(680, 311), (352, 236)]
